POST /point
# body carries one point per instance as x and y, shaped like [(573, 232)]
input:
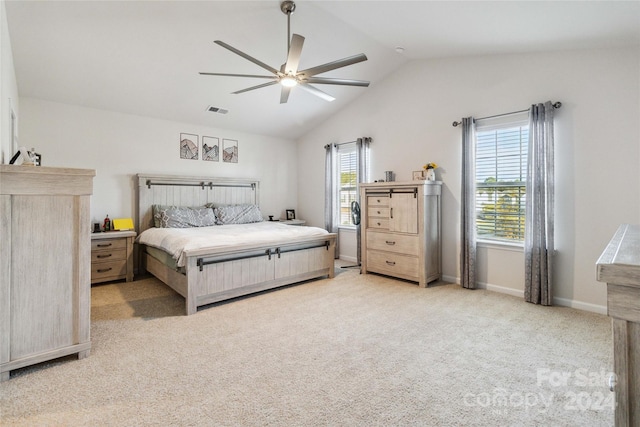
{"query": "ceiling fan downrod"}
[(288, 7)]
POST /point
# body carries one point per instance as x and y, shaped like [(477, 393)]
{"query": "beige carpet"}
[(358, 350)]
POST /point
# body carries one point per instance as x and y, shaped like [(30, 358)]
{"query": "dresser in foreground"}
[(45, 271), (619, 267)]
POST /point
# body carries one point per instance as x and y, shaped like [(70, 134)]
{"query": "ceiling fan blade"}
[(345, 82), (255, 87), (247, 57), (293, 57), (333, 65), (316, 92), (284, 94), (239, 75)]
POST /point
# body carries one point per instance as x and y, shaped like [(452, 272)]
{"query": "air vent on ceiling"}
[(219, 110)]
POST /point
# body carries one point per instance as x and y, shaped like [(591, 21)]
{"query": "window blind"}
[(501, 168), (347, 177)]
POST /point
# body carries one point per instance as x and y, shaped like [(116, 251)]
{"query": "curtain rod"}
[(341, 143), (555, 105)]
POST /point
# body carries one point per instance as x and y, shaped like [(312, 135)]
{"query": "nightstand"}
[(112, 256), (293, 221)]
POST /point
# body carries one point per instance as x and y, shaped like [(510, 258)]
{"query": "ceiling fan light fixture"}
[(288, 81)]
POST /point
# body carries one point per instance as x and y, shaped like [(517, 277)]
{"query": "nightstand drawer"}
[(398, 243), (105, 270), (396, 265), (108, 255), (105, 244)]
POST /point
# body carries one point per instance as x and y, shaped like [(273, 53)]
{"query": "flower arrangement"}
[(430, 165)]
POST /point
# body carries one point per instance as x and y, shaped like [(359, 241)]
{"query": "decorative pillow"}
[(184, 217), (238, 214), (157, 209)]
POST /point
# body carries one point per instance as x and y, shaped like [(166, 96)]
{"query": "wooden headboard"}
[(190, 191)]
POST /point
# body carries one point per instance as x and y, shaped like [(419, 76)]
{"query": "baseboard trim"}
[(348, 258), (561, 302), (579, 305)]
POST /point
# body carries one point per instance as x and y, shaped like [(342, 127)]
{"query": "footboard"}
[(217, 276)]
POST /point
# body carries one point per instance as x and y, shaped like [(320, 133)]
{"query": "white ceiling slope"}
[(143, 57)]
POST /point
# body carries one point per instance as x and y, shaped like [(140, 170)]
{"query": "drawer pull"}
[(378, 224), (613, 380), (104, 256), (104, 270), (390, 242), (104, 245), (378, 212), (391, 212), (390, 262)]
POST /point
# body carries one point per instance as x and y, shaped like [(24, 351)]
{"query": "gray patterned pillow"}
[(184, 217), (238, 214)]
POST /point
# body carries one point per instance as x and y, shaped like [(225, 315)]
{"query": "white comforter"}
[(176, 241)]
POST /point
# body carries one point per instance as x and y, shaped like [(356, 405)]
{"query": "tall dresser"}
[(45, 264), (400, 230), (619, 267)]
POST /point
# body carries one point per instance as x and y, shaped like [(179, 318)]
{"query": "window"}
[(501, 170), (347, 179)]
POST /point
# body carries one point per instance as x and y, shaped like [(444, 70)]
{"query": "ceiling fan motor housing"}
[(287, 7)]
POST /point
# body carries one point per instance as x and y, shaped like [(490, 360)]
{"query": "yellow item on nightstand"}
[(122, 224)]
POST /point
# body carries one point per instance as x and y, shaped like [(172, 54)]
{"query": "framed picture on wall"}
[(189, 146), (230, 151), (210, 149)]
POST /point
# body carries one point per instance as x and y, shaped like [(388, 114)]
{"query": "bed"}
[(223, 266)]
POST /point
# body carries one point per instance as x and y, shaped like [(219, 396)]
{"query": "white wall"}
[(118, 146), (409, 116), (8, 89)]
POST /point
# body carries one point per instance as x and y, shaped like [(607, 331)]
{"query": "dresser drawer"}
[(108, 255), (378, 212), (97, 245), (398, 243), (393, 264), (373, 201), (378, 223), (109, 269)]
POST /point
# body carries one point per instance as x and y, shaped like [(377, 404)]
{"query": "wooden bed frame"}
[(213, 275)]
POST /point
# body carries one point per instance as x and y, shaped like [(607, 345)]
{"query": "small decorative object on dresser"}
[(291, 214), (418, 175), (430, 173)]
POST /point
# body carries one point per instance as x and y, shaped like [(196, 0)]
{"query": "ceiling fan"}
[(288, 75)]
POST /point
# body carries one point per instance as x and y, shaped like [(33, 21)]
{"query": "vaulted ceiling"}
[(144, 57)]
